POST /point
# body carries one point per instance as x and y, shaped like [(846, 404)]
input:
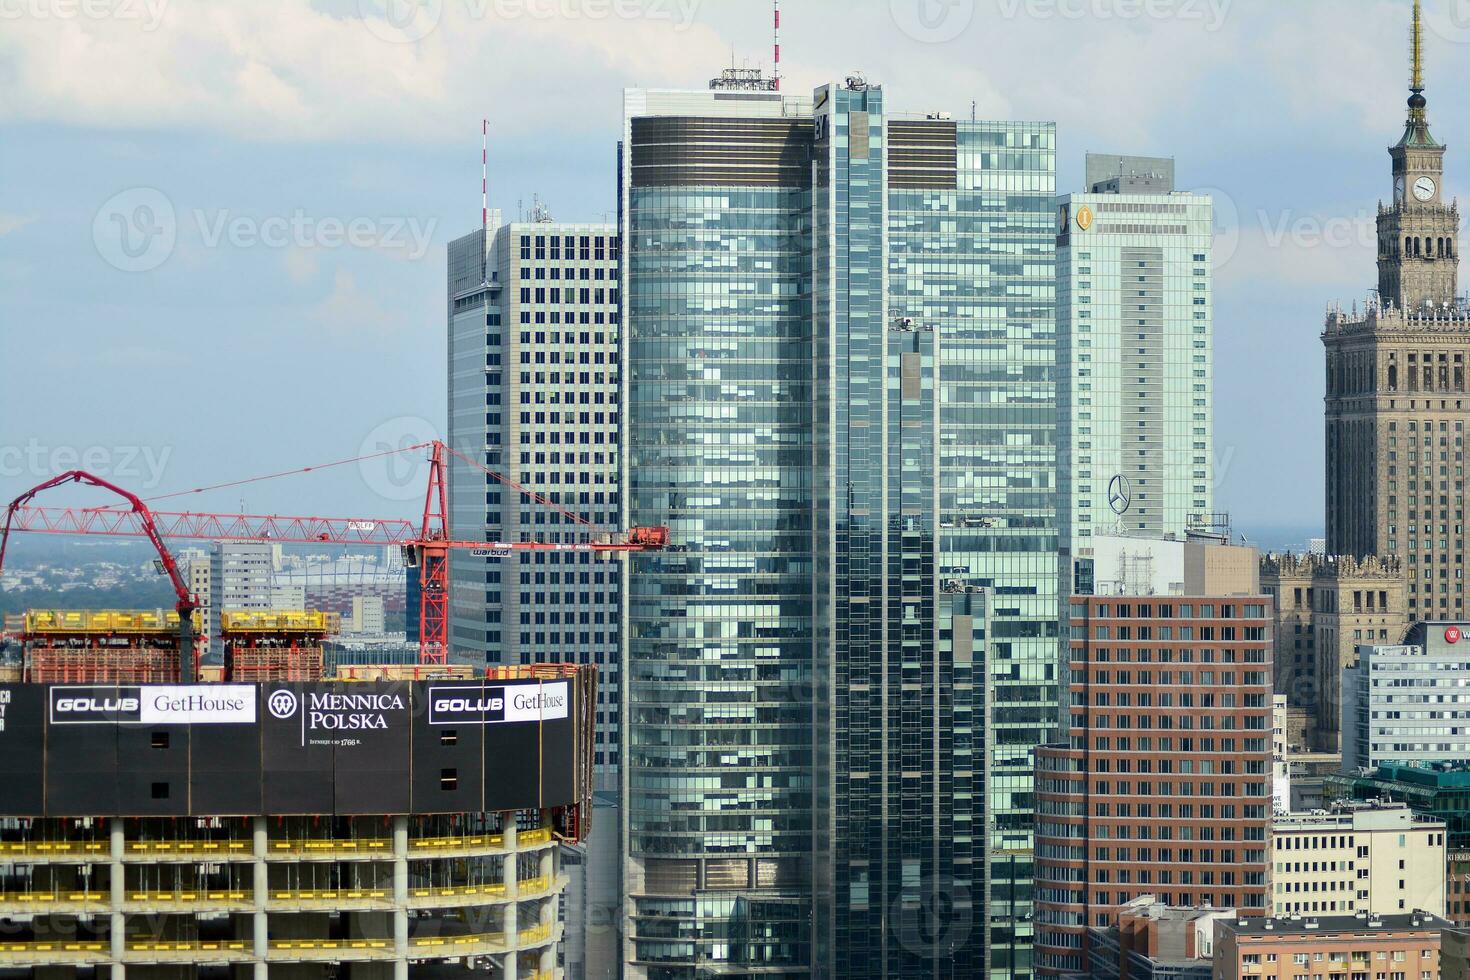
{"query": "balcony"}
[(327, 849)]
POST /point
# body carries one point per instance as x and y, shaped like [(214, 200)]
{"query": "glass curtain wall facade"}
[(978, 262), (841, 355), (715, 210)]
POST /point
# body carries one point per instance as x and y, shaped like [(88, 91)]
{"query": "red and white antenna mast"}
[(776, 47)]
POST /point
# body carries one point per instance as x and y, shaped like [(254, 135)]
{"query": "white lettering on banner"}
[(198, 704), (496, 704)]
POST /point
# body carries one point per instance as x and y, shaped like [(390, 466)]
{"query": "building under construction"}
[(275, 824)]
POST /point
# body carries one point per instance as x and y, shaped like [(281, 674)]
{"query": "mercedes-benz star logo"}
[(1120, 495), (282, 704)]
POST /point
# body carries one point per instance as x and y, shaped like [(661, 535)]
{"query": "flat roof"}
[(1330, 924)]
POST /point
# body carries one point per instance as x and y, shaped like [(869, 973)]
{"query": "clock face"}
[(1398, 189), (1424, 188)]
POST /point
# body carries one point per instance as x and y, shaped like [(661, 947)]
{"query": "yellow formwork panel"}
[(280, 621), (41, 621)]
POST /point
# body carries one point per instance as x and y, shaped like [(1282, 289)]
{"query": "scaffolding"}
[(276, 645), (102, 646)]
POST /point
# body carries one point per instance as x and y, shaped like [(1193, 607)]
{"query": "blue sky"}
[(288, 172)]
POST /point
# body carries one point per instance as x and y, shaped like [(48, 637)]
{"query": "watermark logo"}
[(282, 704), (388, 467), (148, 13), (1210, 14), (135, 230), (142, 467), (401, 21), (932, 21), (1450, 20)]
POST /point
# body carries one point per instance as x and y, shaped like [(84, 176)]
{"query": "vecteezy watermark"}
[(409, 21), (136, 230), (148, 13), (388, 467), (142, 467), (1209, 13), (1449, 19), (408, 235), (932, 21)]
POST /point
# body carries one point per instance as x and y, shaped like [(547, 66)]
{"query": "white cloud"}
[(350, 310), (14, 222)]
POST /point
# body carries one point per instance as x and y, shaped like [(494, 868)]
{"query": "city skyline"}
[(358, 309)]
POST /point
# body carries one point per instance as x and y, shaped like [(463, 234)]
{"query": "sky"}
[(223, 223)]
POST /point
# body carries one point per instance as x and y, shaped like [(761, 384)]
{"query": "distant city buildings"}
[(1152, 941)]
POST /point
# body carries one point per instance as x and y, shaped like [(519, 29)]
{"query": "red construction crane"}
[(428, 542), (142, 518)]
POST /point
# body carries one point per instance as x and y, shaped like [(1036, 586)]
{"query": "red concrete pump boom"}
[(143, 517)]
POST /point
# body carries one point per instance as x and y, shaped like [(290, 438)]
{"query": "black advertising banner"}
[(22, 747), (325, 748)]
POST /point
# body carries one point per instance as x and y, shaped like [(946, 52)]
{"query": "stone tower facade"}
[(1325, 607), (1396, 402)]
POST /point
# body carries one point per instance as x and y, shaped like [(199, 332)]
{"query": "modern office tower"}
[(1396, 395), (840, 337), (1378, 859), (1326, 607), (1407, 703), (1134, 354), (533, 395), (1398, 946), (1164, 785)]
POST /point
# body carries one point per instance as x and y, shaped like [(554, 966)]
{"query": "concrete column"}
[(548, 869), (511, 925), (260, 886), (117, 922), (400, 898)]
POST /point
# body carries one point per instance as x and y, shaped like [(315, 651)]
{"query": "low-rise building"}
[(1153, 941), (1390, 947), (1378, 859)]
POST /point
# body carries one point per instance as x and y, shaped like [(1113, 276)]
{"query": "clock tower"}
[(1418, 235)]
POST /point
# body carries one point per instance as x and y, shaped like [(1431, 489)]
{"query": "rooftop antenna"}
[(776, 47), (485, 199)]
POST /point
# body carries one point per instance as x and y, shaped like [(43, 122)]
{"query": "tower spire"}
[(1416, 78)]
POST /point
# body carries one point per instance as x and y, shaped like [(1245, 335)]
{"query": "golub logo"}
[(282, 704)]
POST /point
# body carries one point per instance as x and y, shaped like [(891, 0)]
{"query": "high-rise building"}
[(533, 395), (840, 343), (240, 579), (1326, 607), (1134, 354), (1375, 858), (1396, 396), (1164, 785), (1408, 703)]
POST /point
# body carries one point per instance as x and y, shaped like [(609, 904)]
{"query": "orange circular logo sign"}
[(1084, 217)]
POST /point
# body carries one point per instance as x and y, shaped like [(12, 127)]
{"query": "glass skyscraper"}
[(840, 354)]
